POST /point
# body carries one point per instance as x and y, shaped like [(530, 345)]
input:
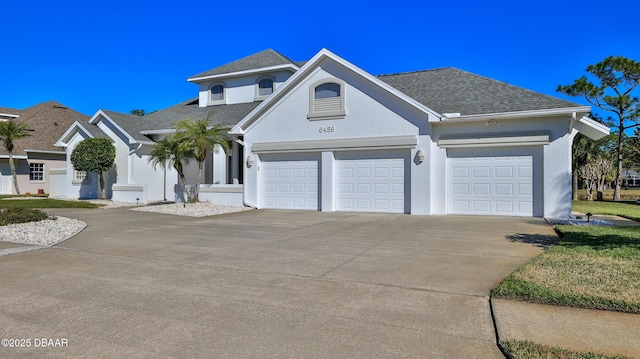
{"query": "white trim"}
[(497, 141), (94, 119), (19, 157), (158, 132), (43, 151), (62, 141), (128, 187), (516, 114), (592, 129), (221, 188), (241, 127), (347, 144), (244, 73), (9, 115)]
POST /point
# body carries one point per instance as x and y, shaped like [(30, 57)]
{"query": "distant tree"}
[(11, 131), (170, 151), (584, 151), (632, 151), (94, 155), (138, 112), (616, 78), (594, 175), (198, 136)]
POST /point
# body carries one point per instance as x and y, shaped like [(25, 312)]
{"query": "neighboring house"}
[(36, 158), (326, 135), (630, 178)]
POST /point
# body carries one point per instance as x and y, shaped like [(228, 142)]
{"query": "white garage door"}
[(491, 182), (370, 182), (290, 183)]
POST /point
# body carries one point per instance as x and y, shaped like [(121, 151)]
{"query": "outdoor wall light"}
[(249, 161), (420, 155), (492, 122)]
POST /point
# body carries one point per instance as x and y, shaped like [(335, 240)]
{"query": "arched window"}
[(327, 90), (216, 93), (326, 99), (265, 87)]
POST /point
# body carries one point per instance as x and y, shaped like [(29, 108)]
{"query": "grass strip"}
[(591, 267), (515, 349), (45, 203), (623, 209)]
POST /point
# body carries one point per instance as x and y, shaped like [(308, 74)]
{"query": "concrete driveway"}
[(265, 284)]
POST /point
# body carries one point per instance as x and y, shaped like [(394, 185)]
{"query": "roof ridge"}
[(417, 71), (249, 62), (281, 55)]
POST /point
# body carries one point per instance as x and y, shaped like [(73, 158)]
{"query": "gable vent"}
[(326, 104)]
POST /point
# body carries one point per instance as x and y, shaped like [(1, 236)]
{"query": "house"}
[(326, 135), (36, 158)]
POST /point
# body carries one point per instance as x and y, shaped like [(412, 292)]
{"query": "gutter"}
[(455, 117), (135, 149), (43, 151)]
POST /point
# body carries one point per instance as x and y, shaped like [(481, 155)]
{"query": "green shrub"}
[(21, 215)]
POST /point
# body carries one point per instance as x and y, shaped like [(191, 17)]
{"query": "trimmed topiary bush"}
[(22, 215)]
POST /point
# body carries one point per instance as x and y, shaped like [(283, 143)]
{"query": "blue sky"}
[(120, 55)]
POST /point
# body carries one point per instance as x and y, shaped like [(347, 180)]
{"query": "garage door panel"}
[(290, 184), (460, 172), (497, 182), (504, 207), (482, 206), (503, 172), (504, 189), (460, 189), (378, 183), (481, 171), (481, 189)]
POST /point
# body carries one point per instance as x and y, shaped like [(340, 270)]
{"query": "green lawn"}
[(591, 267), (514, 349), (624, 209), (44, 203)]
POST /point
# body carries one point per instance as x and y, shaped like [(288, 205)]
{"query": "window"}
[(265, 87), (79, 175), (327, 91), (36, 171), (217, 93), (326, 99)]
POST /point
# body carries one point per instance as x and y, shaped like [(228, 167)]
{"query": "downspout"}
[(572, 123), (130, 162), (135, 149)]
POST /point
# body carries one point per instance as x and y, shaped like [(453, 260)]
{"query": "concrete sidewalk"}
[(583, 330)]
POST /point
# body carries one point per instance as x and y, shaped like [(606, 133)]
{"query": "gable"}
[(368, 111), (326, 65)]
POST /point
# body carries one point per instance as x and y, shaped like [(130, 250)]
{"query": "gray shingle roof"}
[(265, 58), (227, 114), (165, 119), (449, 90), (130, 123), (94, 130)]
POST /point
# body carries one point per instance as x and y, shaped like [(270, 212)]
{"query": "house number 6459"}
[(326, 129)]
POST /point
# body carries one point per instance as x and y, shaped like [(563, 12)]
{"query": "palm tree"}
[(170, 151), (11, 131), (198, 136)]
